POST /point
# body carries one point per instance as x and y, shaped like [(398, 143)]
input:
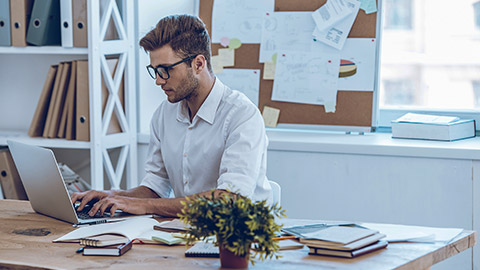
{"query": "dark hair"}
[(186, 34)]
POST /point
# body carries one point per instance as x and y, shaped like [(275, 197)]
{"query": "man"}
[(205, 137)]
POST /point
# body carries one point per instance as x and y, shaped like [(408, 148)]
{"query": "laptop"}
[(45, 187)]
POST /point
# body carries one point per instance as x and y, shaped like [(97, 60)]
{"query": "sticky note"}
[(224, 41), (270, 116), (235, 43), (330, 106), (227, 57), (217, 64), (269, 71), (274, 58)]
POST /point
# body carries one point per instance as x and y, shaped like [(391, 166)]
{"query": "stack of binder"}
[(63, 108), (45, 22)]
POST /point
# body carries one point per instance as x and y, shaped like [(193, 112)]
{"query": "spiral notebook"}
[(203, 249)]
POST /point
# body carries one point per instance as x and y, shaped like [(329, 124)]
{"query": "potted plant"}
[(244, 229)]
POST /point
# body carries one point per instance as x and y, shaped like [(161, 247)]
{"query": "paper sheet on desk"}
[(402, 233)]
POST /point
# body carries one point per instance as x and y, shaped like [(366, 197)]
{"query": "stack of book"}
[(432, 127), (347, 241), (63, 106)]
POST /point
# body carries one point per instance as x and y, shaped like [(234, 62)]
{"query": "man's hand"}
[(137, 206), (87, 196)]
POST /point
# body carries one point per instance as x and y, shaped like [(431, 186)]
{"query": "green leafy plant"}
[(240, 225)]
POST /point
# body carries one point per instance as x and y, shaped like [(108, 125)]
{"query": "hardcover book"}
[(348, 253), (115, 250)]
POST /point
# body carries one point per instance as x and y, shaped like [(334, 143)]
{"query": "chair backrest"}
[(277, 192)]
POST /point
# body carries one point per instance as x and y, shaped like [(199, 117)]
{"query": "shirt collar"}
[(209, 107)]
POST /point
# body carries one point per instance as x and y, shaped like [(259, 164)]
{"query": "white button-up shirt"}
[(224, 147)]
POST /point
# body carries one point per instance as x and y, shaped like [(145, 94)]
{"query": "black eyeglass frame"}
[(166, 68)]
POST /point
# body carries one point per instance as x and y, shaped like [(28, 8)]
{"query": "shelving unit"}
[(99, 14)]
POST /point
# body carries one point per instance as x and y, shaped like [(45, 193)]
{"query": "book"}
[(432, 127), (334, 234), (348, 253), (174, 225), (351, 246), (203, 249), (114, 250), (103, 240), (136, 228), (289, 244)]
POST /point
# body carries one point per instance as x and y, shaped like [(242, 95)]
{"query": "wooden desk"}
[(26, 243)]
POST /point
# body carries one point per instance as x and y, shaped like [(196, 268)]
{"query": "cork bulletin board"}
[(353, 109)]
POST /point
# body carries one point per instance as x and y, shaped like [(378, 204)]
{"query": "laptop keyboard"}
[(84, 213)]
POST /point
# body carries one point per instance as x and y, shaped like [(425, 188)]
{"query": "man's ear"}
[(199, 63)]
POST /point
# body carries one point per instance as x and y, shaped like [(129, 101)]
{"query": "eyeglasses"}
[(162, 71)]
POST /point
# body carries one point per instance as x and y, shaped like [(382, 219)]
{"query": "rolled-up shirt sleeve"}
[(156, 177), (245, 147)]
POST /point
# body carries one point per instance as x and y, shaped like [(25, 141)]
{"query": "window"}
[(430, 59), (476, 12), (398, 14)]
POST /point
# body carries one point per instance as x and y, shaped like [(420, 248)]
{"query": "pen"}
[(80, 250), (284, 238)]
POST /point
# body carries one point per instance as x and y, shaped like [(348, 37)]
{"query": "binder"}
[(82, 123), (5, 39), (59, 101), (20, 14), (53, 100), (66, 22), (63, 109), (71, 101), (12, 186), (40, 115), (44, 26), (80, 38)]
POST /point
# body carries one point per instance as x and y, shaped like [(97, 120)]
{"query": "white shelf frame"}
[(96, 51)]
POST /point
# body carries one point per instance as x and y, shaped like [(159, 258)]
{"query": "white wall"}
[(150, 95)]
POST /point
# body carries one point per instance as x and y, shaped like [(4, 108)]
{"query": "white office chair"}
[(277, 192)]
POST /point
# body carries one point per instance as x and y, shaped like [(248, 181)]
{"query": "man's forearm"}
[(136, 192), (172, 207)]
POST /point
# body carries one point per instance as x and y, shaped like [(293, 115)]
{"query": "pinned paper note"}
[(217, 66), (246, 81), (330, 13), (227, 57), (224, 41), (337, 34), (239, 19), (269, 71), (270, 116), (369, 6), (330, 106), (286, 31), (235, 43)]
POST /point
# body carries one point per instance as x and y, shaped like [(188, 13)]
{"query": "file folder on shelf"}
[(71, 101), (53, 100), (82, 124), (12, 186), (59, 101), (5, 39), (38, 121), (80, 38), (44, 26), (20, 14), (66, 21)]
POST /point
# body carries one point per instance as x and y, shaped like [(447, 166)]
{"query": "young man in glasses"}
[(205, 137)]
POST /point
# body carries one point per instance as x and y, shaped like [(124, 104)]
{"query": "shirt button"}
[(190, 128), (185, 155)]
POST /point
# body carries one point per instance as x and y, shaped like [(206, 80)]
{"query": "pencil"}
[(284, 238)]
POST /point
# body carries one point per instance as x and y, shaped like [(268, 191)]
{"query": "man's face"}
[(182, 83)]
